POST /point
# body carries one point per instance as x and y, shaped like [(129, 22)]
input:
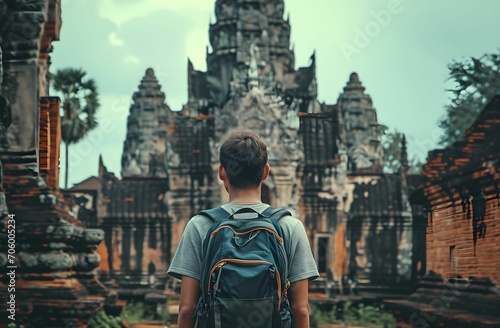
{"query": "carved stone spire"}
[(147, 124), (239, 25), (361, 127), (404, 156)]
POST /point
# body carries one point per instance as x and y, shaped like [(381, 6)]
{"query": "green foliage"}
[(134, 311), (80, 102), (354, 315), (318, 316), (139, 311), (14, 325), (391, 144), (102, 320), (476, 81)]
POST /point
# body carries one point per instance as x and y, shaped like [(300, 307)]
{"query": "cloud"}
[(120, 12), (129, 59), (114, 40)]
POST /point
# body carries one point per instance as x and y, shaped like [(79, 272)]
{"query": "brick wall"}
[(50, 140), (450, 243)]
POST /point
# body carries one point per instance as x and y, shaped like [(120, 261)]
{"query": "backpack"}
[(244, 272)]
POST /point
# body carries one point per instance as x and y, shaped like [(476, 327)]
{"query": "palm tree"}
[(80, 103)]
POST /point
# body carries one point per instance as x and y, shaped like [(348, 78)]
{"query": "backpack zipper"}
[(216, 286), (246, 232), (223, 262)]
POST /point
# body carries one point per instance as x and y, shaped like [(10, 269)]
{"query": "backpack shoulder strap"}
[(215, 214), (275, 213)]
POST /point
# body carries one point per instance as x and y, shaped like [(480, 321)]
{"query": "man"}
[(243, 167)]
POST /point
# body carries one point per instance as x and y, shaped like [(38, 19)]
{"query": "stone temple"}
[(326, 161), (108, 240)]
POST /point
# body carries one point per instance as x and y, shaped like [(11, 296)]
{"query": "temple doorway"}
[(323, 252)]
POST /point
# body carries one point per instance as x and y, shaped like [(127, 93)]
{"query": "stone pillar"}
[(179, 203), (55, 255), (23, 133), (284, 178)]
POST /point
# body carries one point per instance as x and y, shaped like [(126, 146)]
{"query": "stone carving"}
[(253, 70), (173, 157), (360, 158), (56, 261), (27, 260), (5, 111), (62, 231), (5, 120), (49, 239), (224, 10), (264, 37), (87, 261), (48, 199), (239, 39), (279, 9), (93, 236), (266, 115), (222, 40)]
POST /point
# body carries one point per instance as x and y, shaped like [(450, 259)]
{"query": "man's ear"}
[(267, 169), (222, 173)]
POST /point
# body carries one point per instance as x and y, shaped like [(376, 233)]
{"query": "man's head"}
[(243, 156)]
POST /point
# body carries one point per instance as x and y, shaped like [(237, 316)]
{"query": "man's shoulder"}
[(289, 221), (199, 223)]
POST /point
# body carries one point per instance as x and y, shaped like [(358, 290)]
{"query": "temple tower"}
[(241, 26), (250, 42), (147, 125), (362, 138), (251, 82)]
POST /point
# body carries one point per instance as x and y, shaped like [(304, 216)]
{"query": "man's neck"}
[(244, 196)]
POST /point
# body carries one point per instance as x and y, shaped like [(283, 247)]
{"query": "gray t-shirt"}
[(187, 259)]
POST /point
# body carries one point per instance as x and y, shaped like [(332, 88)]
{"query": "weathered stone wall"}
[(379, 231)]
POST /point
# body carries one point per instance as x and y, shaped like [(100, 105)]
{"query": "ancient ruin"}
[(461, 197), (55, 282), (374, 235), (326, 159), (144, 151)]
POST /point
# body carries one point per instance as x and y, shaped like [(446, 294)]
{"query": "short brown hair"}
[(243, 156)]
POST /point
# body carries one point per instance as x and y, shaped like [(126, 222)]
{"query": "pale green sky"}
[(400, 49)]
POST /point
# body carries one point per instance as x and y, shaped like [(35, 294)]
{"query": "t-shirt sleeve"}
[(187, 257), (302, 266)]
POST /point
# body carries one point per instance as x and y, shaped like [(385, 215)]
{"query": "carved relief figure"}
[(5, 111), (253, 70)]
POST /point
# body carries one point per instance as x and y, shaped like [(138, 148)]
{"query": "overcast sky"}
[(399, 48)]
